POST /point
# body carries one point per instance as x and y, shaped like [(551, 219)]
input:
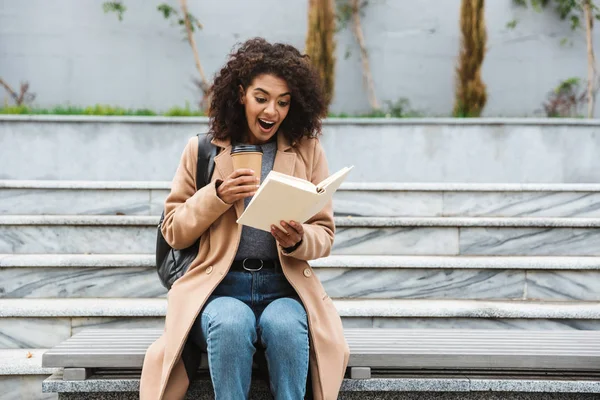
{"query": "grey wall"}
[(71, 52), (404, 150)]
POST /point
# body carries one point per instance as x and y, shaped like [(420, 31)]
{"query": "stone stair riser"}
[(24, 387), (430, 283), (544, 241), (368, 203)]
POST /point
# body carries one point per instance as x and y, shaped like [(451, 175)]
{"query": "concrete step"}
[(370, 277), (43, 323), (354, 236), (357, 199), (21, 375)]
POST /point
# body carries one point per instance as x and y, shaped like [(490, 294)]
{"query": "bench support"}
[(76, 374), (360, 373)]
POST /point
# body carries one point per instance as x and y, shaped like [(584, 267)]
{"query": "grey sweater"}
[(254, 242)]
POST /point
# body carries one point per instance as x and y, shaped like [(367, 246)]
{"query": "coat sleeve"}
[(189, 213), (320, 229)]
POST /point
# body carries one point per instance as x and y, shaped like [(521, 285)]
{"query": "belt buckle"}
[(252, 269)]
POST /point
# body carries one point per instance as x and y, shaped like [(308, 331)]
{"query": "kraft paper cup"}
[(247, 156)]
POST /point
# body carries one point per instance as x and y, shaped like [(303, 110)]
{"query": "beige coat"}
[(190, 214)]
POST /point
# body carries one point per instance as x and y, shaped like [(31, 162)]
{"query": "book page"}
[(338, 177), (292, 180)]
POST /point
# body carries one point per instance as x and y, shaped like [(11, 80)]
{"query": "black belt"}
[(255, 264)]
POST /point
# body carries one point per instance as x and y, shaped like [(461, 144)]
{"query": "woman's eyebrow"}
[(267, 93)]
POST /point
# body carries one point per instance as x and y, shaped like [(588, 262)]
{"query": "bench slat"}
[(376, 348)]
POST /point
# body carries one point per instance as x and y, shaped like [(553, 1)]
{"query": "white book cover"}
[(284, 197)]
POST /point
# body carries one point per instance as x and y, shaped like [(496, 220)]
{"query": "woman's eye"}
[(283, 103), (260, 100)]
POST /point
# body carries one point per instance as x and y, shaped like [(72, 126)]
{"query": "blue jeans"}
[(244, 308)]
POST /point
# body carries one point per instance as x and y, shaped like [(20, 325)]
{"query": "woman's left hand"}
[(290, 239)]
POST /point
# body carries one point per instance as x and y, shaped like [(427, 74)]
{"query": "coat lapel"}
[(285, 160)]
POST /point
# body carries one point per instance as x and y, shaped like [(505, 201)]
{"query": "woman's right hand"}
[(240, 184)]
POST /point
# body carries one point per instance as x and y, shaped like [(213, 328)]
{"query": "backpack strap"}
[(206, 160)]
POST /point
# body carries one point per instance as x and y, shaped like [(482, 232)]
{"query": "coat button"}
[(307, 272), (209, 269)]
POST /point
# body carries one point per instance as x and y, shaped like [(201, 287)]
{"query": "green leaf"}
[(564, 41), (116, 7), (166, 10), (512, 24), (575, 23)]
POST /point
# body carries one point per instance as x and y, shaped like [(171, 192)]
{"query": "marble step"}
[(522, 236), (357, 199), (21, 374), (43, 323), (369, 277)]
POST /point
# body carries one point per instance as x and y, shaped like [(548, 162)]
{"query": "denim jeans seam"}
[(209, 349)]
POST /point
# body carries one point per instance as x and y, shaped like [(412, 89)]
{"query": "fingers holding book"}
[(240, 184), (294, 234)]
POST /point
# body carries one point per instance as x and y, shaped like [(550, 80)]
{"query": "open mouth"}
[(266, 125)]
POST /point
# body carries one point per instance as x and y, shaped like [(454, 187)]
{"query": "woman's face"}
[(267, 103)]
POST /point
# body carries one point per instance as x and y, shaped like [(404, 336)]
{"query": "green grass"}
[(100, 109)]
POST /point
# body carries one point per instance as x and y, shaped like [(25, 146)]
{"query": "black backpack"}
[(171, 264)]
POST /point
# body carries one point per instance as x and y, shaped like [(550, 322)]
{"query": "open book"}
[(284, 197)]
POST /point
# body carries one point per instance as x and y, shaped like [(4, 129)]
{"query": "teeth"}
[(266, 122)]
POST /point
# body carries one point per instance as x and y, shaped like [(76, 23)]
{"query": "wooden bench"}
[(379, 354)]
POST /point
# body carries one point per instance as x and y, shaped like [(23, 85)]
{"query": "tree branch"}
[(12, 93), (592, 75), (190, 36), (367, 76)]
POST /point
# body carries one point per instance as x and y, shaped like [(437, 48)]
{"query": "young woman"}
[(248, 289)]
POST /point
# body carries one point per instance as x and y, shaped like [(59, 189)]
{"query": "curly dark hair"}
[(255, 57)]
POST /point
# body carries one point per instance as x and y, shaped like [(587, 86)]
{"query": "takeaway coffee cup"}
[(247, 156)]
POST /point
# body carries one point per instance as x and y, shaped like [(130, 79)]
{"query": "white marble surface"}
[(423, 284), (126, 307), (79, 282), (334, 261), (342, 222), (83, 239), (111, 239), (24, 388), (339, 283), (476, 323), (375, 199), (563, 285), (17, 362), (396, 241), (351, 186), (388, 203), (64, 201), (78, 260), (157, 201), (447, 282), (23, 333), (83, 308), (467, 308), (530, 241), (446, 262), (491, 222), (81, 323), (521, 204)]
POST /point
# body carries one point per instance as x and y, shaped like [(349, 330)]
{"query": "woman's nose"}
[(270, 110)]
